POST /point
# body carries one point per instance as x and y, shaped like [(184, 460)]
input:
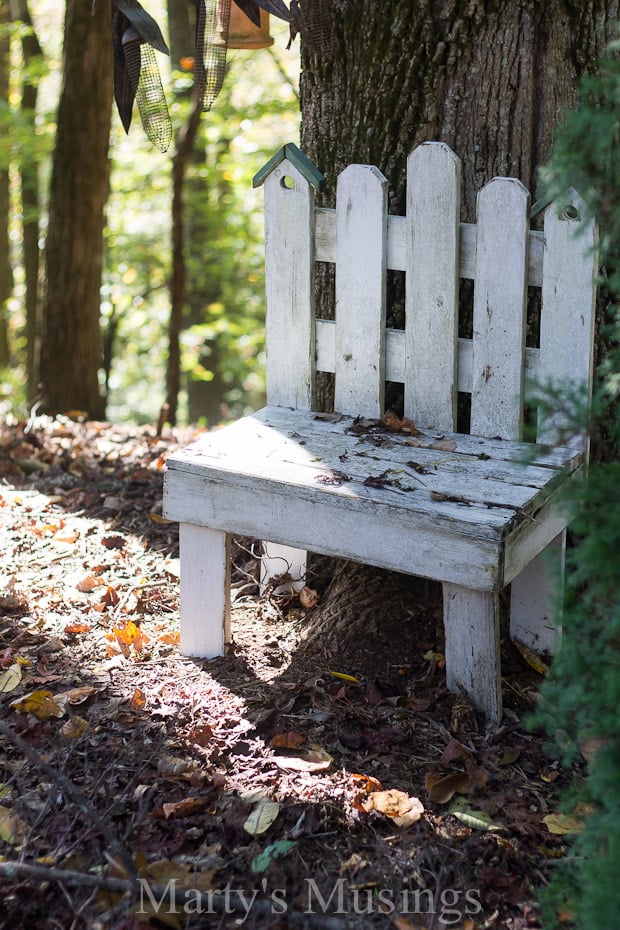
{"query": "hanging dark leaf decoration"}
[(135, 35), (144, 24), (275, 7)]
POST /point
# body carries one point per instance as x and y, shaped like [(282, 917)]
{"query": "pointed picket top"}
[(297, 158)]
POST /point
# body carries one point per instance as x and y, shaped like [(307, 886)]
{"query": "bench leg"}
[(205, 591), (534, 598), (471, 622), (276, 560)]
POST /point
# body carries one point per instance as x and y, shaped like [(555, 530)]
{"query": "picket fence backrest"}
[(500, 253)]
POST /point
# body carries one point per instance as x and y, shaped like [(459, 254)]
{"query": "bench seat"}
[(353, 488)]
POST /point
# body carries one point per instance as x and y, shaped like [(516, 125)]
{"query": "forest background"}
[(222, 339)]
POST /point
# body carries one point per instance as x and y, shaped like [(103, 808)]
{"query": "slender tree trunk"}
[(491, 79), (6, 272), (29, 175), (177, 288), (71, 345)]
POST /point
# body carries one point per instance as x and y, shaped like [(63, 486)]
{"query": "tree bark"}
[(491, 79), (6, 271), (31, 204), (179, 265), (71, 342)]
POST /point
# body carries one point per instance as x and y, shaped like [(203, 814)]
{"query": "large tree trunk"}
[(492, 80), (71, 348), (489, 78)]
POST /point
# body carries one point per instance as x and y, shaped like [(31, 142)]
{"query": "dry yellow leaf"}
[(562, 823), (532, 659), (10, 678), (12, 829), (40, 704), (75, 727), (262, 817), (403, 809)]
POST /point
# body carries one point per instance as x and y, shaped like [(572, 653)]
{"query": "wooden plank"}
[(289, 287), (205, 590), (471, 623), (499, 309), (535, 598), (432, 288), (325, 241), (361, 212), (395, 355), (283, 560), (370, 532), (568, 304)]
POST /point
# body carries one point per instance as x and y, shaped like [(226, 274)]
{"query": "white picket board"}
[(432, 286), (568, 302), (289, 287), (500, 294), (361, 249)]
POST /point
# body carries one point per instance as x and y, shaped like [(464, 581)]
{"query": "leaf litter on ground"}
[(163, 754)]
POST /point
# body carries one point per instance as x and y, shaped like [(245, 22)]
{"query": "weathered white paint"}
[(325, 242), (205, 590), (476, 512), (360, 291), (568, 303), (471, 622), (432, 295), (395, 355), (500, 292), (289, 287), (283, 560), (535, 596)]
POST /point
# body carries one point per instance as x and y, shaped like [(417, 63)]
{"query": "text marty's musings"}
[(450, 905)]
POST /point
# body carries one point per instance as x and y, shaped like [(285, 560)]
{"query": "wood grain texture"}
[(289, 287), (432, 294), (361, 246), (205, 590), (568, 305), (500, 293), (535, 596), (471, 623)]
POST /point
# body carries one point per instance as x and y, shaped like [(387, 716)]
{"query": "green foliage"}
[(580, 701), (222, 345)]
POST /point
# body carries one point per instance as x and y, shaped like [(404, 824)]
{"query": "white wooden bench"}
[(475, 511)]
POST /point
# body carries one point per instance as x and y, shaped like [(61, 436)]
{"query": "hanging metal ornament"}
[(212, 40)]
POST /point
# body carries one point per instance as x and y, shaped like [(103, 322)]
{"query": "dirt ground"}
[(287, 784)]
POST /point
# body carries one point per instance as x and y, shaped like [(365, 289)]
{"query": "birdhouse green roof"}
[(297, 158)]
